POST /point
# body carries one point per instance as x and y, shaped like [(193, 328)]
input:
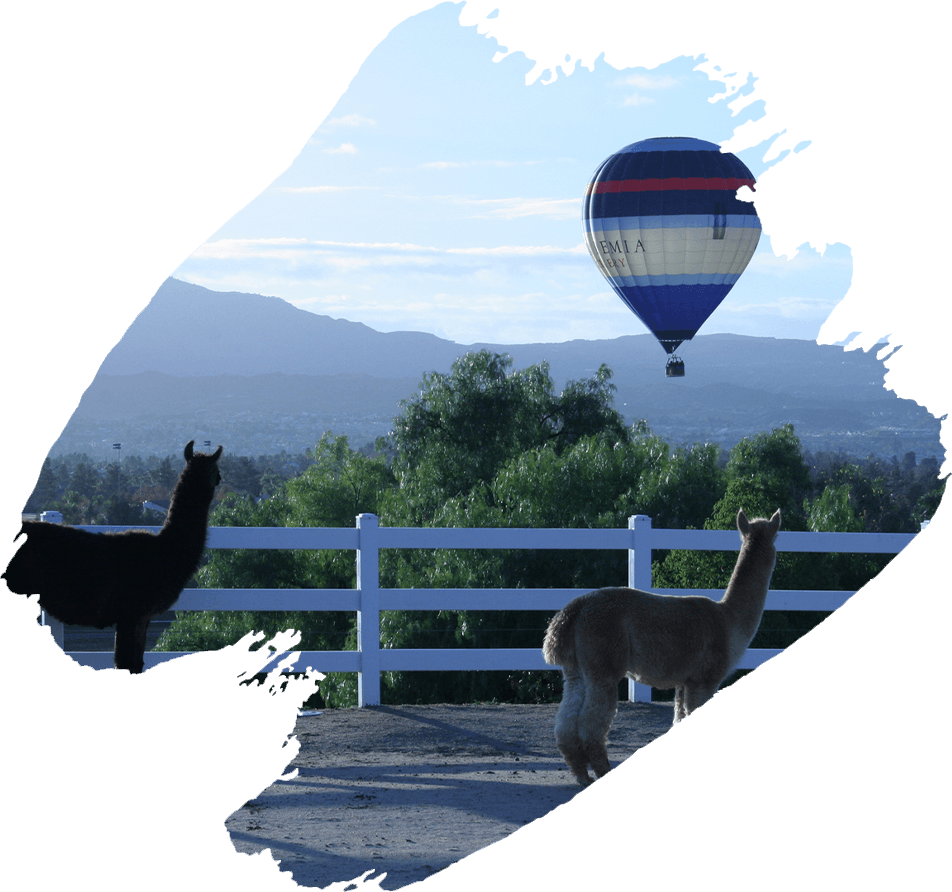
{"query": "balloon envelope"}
[(662, 221)]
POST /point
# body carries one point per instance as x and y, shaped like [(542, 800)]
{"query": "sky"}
[(443, 194)]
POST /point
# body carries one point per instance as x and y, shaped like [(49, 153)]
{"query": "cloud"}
[(445, 165), (345, 148), (390, 246), (511, 317), (807, 259), (301, 190), (337, 265), (522, 250), (646, 82), (238, 248), (637, 99), (650, 81), (351, 120), (788, 307), (514, 208), (244, 248)]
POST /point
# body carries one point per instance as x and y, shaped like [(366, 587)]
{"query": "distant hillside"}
[(260, 375), (190, 331), (187, 330), (150, 394)]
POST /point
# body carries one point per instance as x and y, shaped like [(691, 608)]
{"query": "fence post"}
[(368, 616), (639, 576)]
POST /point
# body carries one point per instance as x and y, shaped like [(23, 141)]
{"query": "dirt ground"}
[(408, 790)]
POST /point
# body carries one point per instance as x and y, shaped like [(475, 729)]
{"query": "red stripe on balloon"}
[(668, 184)]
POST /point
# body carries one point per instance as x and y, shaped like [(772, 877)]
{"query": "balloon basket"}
[(674, 368)]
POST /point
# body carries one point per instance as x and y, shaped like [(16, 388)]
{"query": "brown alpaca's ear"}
[(189, 446)]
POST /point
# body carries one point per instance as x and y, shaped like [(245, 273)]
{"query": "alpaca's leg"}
[(130, 644), (566, 726), (697, 695), (596, 717), (679, 708)]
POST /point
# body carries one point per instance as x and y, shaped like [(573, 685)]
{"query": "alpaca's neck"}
[(746, 594), (187, 521)]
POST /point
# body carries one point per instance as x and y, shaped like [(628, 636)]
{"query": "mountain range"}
[(261, 376)]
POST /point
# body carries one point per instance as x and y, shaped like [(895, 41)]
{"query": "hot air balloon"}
[(663, 223)]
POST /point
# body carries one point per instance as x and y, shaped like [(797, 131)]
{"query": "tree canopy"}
[(462, 427), (489, 446)]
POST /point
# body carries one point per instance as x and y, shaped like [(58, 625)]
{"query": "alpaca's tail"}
[(559, 645)]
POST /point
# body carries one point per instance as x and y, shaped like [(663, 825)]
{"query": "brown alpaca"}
[(689, 643), (120, 579)]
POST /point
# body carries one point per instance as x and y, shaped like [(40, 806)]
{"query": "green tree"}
[(766, 472), (462, 427), (928, 503), (677, 490), (122, 512), (763, 473), (84, 501), (340, 484), (892, 497), (47, 490), (165, 475), (85, 481), (832, 510), (240, 474)]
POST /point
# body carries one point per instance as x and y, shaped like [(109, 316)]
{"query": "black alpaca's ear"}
[(189, 446), (217, 454)]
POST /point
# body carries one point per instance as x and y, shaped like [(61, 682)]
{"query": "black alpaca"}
[(122, 579)]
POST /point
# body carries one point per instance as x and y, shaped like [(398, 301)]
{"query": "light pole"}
[(118, 447)]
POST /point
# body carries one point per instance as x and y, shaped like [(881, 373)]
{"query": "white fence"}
[(368, 598)]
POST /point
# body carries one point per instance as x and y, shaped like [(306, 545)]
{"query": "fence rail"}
[(367, 539)]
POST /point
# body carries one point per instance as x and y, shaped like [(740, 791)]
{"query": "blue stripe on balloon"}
[(650, 165), (669, 144), (668, 221), (662, 203), (673, 307), (667, 281)]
